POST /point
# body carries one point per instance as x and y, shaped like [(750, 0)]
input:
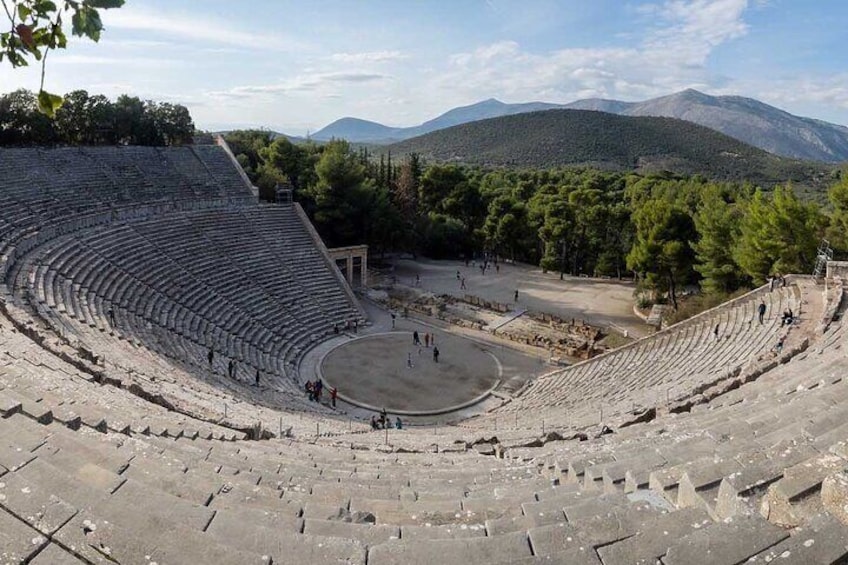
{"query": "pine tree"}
[(717, 222)]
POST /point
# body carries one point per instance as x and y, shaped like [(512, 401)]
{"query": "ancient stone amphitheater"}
[(126, 269)]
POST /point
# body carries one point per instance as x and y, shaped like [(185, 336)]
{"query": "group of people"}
[(231, 367), (788, 318), (354, 325), (314, 390), (776, 280), (384, 422), (429, 339)]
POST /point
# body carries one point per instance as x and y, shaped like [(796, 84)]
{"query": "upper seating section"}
[(51, 183)]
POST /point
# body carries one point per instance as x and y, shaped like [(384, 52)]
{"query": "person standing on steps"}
[(111, 317), (462, 283), (334, 392), (393, 320), (415, 339), (715, 332), (210, 356), (436, 354), (231, 368), (256, 382), (761, 311), (516, 295)]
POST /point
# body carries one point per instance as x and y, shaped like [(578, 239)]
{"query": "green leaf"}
[(86, 22), (44, 7), (104, 4), (48, 103), (23, 12)]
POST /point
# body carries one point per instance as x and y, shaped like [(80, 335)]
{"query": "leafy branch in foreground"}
[(35, 28)]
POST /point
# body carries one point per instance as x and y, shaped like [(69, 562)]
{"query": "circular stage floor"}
[(372, 371)]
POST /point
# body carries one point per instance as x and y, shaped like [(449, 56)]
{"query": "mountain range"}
[(567, 137), (745, 119)]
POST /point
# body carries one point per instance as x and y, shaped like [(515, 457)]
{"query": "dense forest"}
[(85, 119), (668, 230), (555, 138)]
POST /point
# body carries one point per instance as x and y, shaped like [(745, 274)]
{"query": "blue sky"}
[(295, 66)]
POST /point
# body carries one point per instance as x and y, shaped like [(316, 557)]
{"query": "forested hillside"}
[(556, 138)]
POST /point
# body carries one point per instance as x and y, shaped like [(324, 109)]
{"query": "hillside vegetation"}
[(555, 138)]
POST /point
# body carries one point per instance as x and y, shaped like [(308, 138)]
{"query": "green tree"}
[(35, 28), (341, 196), (507, 229), (282, 157), (661, 251), (172, 122), (778, 234), (837, 232), (718, 223), (21, 123), (246, 145), (436, 184)]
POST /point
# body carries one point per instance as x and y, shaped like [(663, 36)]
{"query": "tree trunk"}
[(672, 294)]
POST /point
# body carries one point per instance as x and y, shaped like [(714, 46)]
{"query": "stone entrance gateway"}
[(349, 259)]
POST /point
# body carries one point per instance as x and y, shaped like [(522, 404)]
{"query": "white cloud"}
[(62, 58), (306, 83), (368, 57), (195, 28), (671, 55)]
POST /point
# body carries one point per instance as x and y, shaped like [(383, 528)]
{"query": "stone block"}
[(499, 549), (732, 541), (834, 495)]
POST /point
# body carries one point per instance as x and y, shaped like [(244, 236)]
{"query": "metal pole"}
[(387, 434), (317, 429)]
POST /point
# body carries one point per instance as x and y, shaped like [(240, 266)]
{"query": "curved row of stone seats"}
[(109, 498), (310, 492), (765, 451), (85, 178), (199, 399), (49, 191), (200, 276), (670, 366), (47, 389)]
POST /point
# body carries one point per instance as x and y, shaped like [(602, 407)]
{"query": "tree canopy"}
[(37, 26), (670, 231), (86, 119)]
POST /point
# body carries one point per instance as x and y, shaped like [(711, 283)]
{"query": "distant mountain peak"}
[(745, 119)]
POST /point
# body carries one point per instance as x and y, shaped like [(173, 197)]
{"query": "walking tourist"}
[(436, 354), (761, 311)]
